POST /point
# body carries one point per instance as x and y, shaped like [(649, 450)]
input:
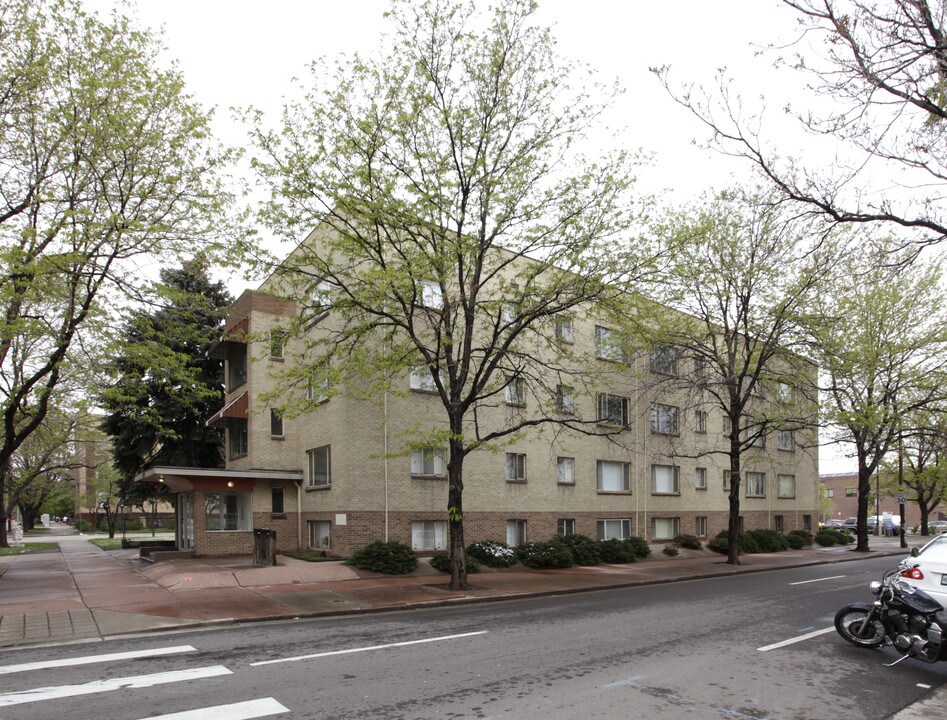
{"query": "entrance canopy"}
[(185, 479)]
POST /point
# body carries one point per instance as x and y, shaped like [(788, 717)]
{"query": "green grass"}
[(28, 548), (38, 531), (307, 555), (107, 543)]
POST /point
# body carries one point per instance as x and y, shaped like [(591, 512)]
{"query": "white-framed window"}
[(664, 360), (320, 534), (431, 295), (665, 480), (608, 345), (700, 526), (510, 312), (563, 329), (726, 479), (428, 535), (786, 486), (422, 379), (807, 522), (515, 532), (613, 529), (428, 462), (851, 492), (565, 470), (784, 440), (700, 478), (613, 409), (238, 436), (565, 401), (755, 484), (612, 476), (516, 467), (784, 392), (276, 424), (665, 528), (754, 435), (320, 466), (565, 526), (725, 426), (700, 421), (321, 297), (778, 523), (277, 342), (317, 390), (515, 391), (829, 492), (665, 419), (227, 511)]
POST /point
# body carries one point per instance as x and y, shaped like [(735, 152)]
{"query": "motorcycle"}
[(901, 615)]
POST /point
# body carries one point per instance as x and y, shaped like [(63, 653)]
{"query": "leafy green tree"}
[(164, 385), (880, 336), (743, 270), (921, 463), (106, 165), (434, 174)]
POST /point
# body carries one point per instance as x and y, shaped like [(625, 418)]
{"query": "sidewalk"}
[(83, 592)]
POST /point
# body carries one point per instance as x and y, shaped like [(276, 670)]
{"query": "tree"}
[(880, 338), (456, 221), (883, 67), (921, 466), (164, 385), (105, 165), (742, 269)]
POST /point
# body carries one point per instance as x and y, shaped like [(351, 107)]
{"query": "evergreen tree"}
[(165, 386)]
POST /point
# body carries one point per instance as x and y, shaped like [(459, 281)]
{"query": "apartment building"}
[(348, 469)]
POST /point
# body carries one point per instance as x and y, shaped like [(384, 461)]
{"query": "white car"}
[(927, 569)]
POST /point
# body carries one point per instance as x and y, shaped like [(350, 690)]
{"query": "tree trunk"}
[(455, 514), (864, 490), (733, 524)]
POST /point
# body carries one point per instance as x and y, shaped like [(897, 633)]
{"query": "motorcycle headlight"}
[(875, 586)]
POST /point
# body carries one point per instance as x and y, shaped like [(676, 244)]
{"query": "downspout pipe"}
[(299, 515)]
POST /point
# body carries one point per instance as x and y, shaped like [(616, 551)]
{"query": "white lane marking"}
[(798, 638), (366, 649), (89, 659), (924, 685), (804, 582), (133, 682), (248, 710)]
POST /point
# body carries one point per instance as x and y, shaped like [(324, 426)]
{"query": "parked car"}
[(832, 524), (850, 524), (937, 526), (928, 569)]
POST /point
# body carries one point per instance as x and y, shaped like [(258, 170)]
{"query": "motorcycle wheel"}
[(849, 619)]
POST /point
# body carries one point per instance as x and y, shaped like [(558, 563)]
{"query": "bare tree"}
[(883, 67)]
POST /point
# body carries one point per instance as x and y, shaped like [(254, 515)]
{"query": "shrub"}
[(545, 554), (719, 544), (691, 542), (441, 561), (617, 551), (827, 537), (639, 546), (747, 544), (671, 550), (798, 539), (769, 541), (795, 542), (492, 554), (585, 550), (391, 558), (84, 526)]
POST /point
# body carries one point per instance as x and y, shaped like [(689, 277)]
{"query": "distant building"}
[(840, 500)]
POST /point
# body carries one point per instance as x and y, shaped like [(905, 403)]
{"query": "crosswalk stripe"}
[(89, 659), (133, 682), (235, 711)]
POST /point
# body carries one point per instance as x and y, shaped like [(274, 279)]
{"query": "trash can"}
[(264, 547)]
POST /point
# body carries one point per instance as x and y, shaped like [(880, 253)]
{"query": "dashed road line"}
[(91, 659)]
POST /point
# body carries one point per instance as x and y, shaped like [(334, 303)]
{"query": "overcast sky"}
[(241, 53)]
